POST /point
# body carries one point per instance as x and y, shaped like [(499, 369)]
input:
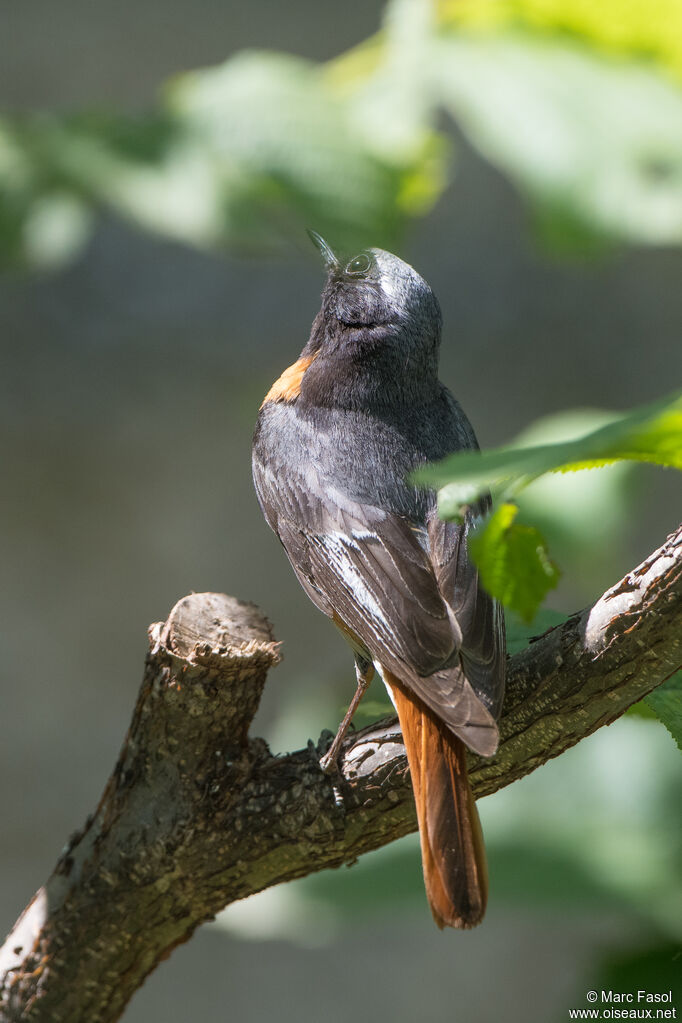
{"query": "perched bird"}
[(337, 437)]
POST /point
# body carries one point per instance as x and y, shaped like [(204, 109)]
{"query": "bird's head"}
[(376, 287), (380, 314)]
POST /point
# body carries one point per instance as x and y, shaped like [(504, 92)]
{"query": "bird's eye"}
[(359, 265)]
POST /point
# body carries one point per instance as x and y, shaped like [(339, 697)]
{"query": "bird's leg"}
[(364, 672)]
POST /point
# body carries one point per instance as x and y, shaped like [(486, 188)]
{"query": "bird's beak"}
[(330, 260)]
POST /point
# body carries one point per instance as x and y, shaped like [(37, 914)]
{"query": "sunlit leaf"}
[(650, 433), (513, 562), (585, 517)]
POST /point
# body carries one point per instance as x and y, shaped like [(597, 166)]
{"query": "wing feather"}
[(398, 588), (480, 618)]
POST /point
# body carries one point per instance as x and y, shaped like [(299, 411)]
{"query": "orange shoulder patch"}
[(288, 386)]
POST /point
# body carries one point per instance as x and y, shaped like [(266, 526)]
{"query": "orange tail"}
[(453, 854)]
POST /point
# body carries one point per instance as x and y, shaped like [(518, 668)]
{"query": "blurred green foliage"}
[(578, 104), (650, 968), (620, 28)]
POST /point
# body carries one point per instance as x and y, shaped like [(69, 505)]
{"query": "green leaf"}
[(513, 562), (650, 433), (666, 703), (585, 517)]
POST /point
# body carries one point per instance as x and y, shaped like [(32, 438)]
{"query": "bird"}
[(337, 439)]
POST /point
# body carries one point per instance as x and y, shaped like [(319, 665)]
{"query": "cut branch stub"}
[(213, 655), (134, 883)]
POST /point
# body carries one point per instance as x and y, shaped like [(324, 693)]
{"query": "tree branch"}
[(197, 815)]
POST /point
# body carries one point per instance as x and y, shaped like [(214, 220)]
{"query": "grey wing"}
[(364, 565), (371, 571), (480, 617)]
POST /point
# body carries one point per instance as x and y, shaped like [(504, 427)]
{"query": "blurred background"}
[(527, 158)]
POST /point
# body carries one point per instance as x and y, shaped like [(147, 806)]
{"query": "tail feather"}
[(453, 853)]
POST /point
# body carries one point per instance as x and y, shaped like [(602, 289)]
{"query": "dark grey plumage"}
[(331, 465)]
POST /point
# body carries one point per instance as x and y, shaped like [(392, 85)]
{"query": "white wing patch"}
[(360, 534), (335, 546)]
